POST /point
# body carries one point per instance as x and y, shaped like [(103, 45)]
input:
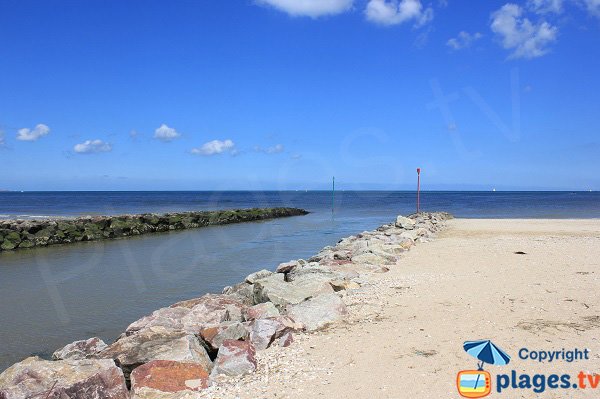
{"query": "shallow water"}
[(52, 296)]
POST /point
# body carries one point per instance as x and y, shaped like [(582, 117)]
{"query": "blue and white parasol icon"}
[(486, 352)]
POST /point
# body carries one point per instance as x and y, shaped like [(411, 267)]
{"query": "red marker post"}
[(418, 189)]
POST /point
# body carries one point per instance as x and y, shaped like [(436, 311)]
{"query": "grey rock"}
[(261, 311), (242, 292), (275, 289), (254, 277), (405, 223), (263, 331), (170, 318), (317, 313), (288, 266), (410, 234), (80, 349), (373, 259), (213, 337), (315, 270)]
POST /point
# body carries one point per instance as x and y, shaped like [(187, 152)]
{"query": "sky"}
[(286, 94)]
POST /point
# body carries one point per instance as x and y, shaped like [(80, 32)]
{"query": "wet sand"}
[(404, 336)]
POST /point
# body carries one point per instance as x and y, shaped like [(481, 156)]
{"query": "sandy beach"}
[(404, 336)]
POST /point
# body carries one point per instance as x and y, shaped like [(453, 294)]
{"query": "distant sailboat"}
[(493, 189)]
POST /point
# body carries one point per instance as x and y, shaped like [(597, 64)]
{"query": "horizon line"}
[(303, 190)]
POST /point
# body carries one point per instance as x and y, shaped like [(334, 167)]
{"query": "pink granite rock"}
[(166, 376), (156, 343), (235, 358), (34, 378), (286, 339), (192, 315)]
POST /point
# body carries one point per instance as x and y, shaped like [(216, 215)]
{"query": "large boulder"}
[(341, 285), (34, 378), (281, 293), (261, 311), (317, 313), (263, 332), (254, 277), (229, 308), (213, 337), (373, 259), (375, 251), (80, 349), (316, 271), (235, 358), (193, 315), (410, 235), (423, 232), (405, 243), (242, 292), (170, 318), (158, 377), (156, 343), (405, 223), (287, 267), (11, 240)]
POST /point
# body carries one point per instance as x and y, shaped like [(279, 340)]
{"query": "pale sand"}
[(404, 338)]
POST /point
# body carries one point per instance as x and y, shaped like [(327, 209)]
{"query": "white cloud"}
[(394, 12), (215, 147), (166, 133), (309, 8), (519, 34), (593, 6), (545, 6), (463, 40), (276, 149), (34, 134), (92, 147)]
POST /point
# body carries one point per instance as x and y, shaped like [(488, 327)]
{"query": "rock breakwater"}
[(186, 349), (21, 234)]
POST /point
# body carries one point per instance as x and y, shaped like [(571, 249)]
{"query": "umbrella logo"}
[(478, 383)]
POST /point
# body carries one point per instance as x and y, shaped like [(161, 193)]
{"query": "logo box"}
[(474, 383)]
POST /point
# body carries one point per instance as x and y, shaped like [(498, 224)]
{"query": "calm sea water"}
[(52, 296)]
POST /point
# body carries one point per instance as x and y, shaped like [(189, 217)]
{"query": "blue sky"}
[(284, 94)]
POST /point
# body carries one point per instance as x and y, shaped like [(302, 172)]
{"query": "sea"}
[(55, 295)]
